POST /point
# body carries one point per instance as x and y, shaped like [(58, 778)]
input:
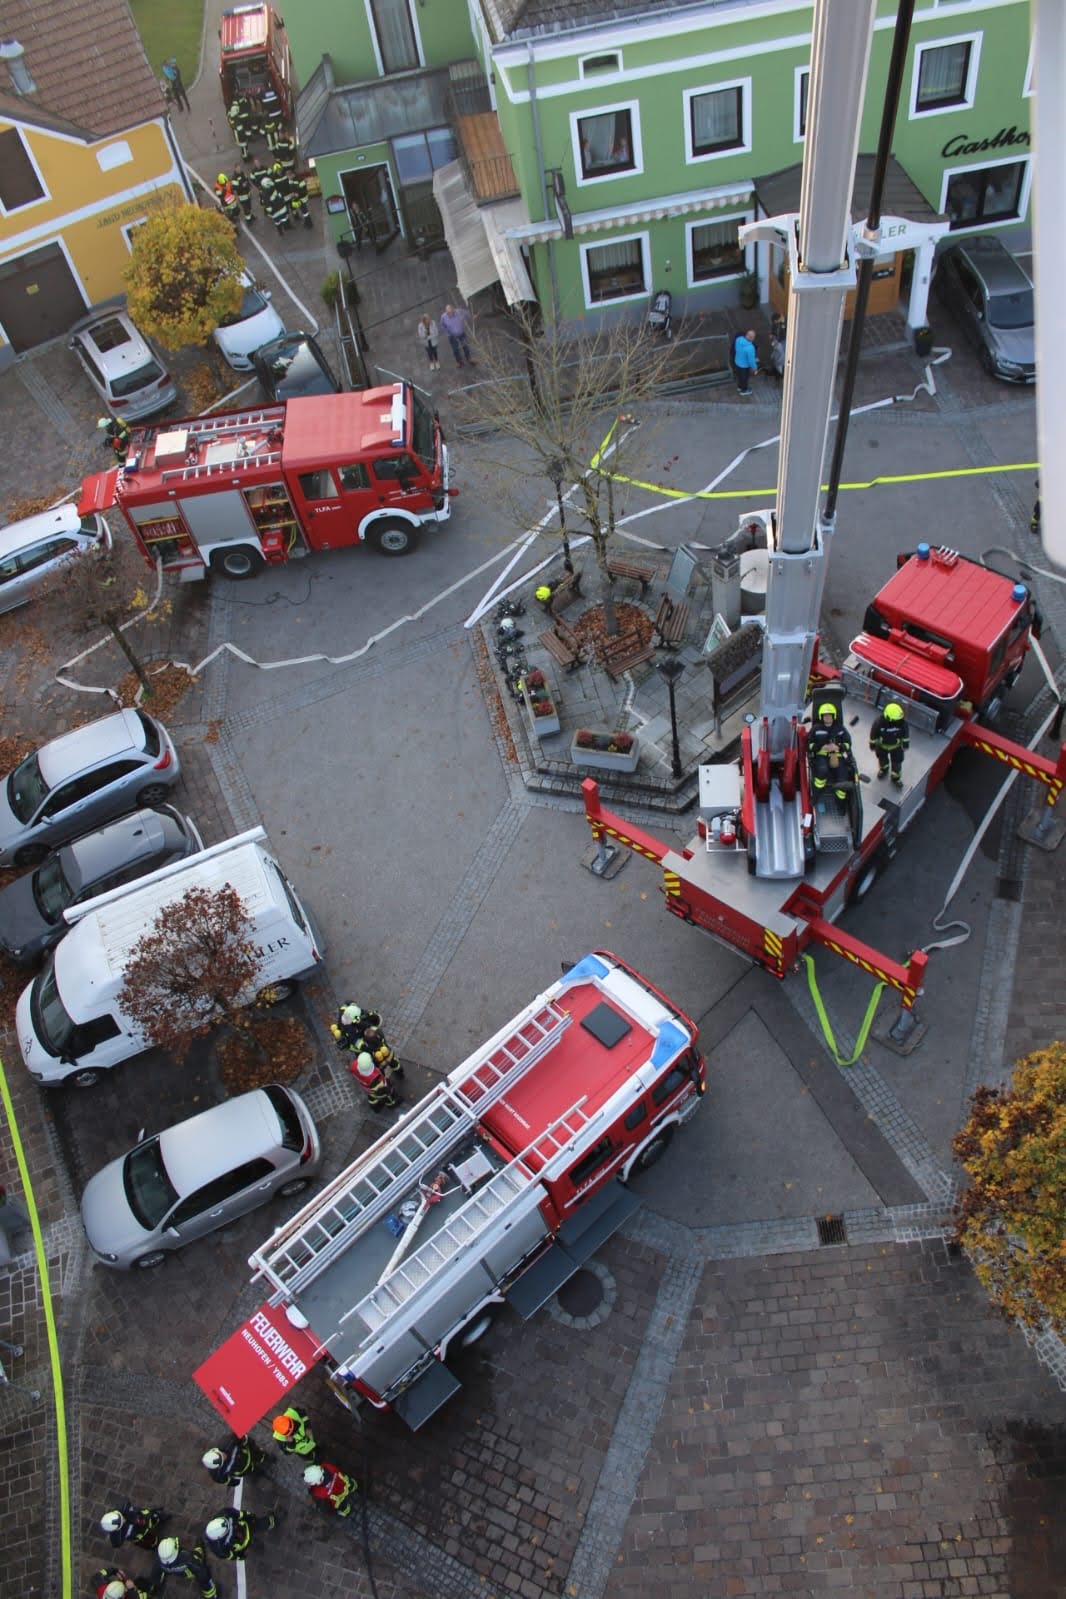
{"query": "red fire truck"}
[(493, 1190), (240, 488), (254, 56)]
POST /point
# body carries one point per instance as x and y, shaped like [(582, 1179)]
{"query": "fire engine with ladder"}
[(494, 1189), (233, 491), (773, 866)]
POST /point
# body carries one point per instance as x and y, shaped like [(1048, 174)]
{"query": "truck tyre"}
[(147, 1262), (653, 1151), (393, 538), (867, 877), (475, 1330), (31, 854), (239, 562)]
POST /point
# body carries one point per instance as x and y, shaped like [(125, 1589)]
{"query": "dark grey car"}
[(992, 297), (292, 366), (31, 909)]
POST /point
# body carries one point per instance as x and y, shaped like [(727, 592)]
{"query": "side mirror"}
[(141, 1135)]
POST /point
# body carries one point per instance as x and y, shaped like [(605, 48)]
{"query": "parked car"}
[(31, 909), (992, 296), (32, 549), (121, 365), (82, 779), (200, 1175), (293, 366), (255, 323)]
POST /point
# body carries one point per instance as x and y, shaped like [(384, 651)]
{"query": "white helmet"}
[(350, 1014), (217, 1528), (167, 1551), (313, 1476), (115, 1590), (112, 1521), (105, 421), (213, 1459), (365, 1065)]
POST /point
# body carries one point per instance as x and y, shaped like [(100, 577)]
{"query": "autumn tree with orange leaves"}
[(1012, 1218), (184, 275)]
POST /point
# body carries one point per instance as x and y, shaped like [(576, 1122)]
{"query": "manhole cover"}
[(582, 1294), (586, 1299)]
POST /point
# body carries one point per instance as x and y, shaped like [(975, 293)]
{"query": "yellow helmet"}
[(893, 712), (827, 710)]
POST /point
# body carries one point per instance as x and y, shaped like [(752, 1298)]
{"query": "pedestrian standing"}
[(274, 203), (172, 73), (101, 1580), (890, 740), (293, 1435), (382, 1053), (228, 1463), (455, 323), (1034, 519), (229, 1534), (242, 188), (372, 1080), (240, 120), (116, 434), (127, 1524), (226, 198), (174, 1561), (830, 752), (331, 1487), (745, 360), (428, 336), (123, 1587)]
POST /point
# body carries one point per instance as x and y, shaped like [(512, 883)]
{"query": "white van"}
[(69, 1024)]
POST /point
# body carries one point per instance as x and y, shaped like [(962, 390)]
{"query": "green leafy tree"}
[(1012, 1218), (184, 275)]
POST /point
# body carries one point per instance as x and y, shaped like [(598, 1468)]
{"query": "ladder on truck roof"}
[(394, 1291), (369, 1187), (213, 427)]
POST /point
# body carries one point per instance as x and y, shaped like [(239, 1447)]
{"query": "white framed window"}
[(396, 42), (606, 142), (130, 228), (114, 155), (800, 91), (717, 120), (984, 196), (596, 66), (944, 76), (616, 271), (712, 249)]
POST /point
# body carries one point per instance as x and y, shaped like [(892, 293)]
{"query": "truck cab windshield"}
[(425, 443)]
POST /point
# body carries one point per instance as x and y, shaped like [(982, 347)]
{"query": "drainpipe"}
[(543, 183)]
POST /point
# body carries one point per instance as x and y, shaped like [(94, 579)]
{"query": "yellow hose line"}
[(53, 1339), (771, 493)]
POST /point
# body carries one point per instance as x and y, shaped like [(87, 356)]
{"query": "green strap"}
[(867, 1021)]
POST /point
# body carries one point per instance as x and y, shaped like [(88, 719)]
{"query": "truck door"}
[(326, 518)]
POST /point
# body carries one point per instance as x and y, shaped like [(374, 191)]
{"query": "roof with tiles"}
[(86, 59), (520, 19)]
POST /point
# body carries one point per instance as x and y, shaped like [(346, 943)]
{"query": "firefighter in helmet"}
[(116, 434), (331, 1487), (890, 739), (372, 1080), (831, 756), (384, 1056), (227, 200)]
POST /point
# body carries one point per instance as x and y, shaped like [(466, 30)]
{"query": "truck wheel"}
[(393, 538), (652, 1152), (475, 1330), (867, 877), (240, 562)]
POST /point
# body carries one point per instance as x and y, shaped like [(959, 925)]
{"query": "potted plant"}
[(613, 750), (540, 705), (748, 289)]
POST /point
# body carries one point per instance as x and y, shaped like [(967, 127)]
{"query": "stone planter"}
[(543, 726), (606, 760)]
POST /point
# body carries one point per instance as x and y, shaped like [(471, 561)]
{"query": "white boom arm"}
[(1049, 251)]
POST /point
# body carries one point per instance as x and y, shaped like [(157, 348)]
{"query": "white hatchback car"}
[(121, 365), (244, 330), (31, 550)]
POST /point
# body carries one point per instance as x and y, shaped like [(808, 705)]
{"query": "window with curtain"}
[(991, 195), (615, 270), (716, 251), (716, 120), (606, 142), (395, 35), (943, 71)]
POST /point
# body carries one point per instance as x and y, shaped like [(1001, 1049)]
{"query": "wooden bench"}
[(564, 593), (563, 645), (619, 654), (671, 621), (632, 569)]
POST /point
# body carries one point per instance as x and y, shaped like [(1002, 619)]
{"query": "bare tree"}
[(193, 970), (569, 407), (104, 589)]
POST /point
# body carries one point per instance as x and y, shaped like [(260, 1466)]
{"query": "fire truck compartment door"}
[(98, 492), (217, 519), (425, 1397), (577, 1241)]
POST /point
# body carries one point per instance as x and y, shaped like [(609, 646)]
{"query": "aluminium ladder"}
[(421, 1267), (374, 1182)]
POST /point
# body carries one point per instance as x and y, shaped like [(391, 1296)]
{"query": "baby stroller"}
[(660, 316)]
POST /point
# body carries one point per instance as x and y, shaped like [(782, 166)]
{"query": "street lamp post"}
[(671, 670)]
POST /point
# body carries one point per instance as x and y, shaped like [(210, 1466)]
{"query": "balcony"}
[(484, 159)]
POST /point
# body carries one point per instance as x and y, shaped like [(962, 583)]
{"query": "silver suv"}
[(82, 779), (992, 296), (200, 1175), (121, 365)]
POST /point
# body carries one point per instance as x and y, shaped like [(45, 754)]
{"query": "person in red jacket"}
[(331, 1487)]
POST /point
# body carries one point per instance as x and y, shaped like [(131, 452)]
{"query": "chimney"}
[(21, 81)]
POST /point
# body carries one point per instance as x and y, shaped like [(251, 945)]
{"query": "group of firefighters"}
[(833, 759), (372, 1061), (230, 1534), (282, 194)]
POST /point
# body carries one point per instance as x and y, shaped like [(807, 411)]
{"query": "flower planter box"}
[(547, 723), (606, 760)]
